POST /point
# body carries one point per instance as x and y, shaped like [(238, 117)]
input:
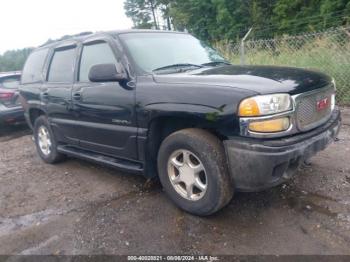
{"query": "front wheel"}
[(193, 171)]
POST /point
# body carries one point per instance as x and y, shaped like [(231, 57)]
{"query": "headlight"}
[(265, 105)]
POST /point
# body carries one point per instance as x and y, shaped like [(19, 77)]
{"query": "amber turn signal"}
[(270, 126)]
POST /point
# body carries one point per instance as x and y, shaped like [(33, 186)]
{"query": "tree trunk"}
[(168, 23), (154, 14)]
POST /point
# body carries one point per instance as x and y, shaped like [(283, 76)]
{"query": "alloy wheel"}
[(187, 175), (44, 140)]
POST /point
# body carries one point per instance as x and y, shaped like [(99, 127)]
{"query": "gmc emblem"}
[(322, 104)]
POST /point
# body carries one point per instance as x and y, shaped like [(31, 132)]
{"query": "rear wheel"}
[(193, 171), (45, 141)]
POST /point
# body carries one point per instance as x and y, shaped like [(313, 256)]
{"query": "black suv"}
[(11, 111), (165, 104)]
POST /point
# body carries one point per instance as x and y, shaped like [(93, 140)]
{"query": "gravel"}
[(77, 207)]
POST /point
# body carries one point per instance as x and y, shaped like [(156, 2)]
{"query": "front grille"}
[(308, 114)]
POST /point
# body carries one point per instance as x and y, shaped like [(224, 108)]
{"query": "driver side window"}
[(93, 54)]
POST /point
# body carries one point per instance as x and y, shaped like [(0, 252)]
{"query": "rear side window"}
[(100, 53), (62, 66), (10, 82), (32, 71)]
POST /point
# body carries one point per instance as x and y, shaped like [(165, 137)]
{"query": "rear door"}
[(56, 92), (104, 111), (32, 79)]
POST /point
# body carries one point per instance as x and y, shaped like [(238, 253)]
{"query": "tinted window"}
[(32, 71), (62, 66), (10, 82), (92, 55)]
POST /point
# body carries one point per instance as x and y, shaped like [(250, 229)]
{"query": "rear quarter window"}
[(32, 71)]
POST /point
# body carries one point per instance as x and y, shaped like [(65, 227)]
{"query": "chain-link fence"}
[(327, 51)]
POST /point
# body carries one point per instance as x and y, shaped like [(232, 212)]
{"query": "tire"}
[(51, 155), (201, 150)]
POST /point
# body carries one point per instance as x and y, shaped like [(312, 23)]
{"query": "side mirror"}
[(106, 73)]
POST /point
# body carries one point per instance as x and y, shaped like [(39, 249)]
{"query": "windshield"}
[(152, 51)]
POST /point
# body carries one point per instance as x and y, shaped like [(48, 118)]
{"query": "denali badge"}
[(322, 104), (122, 122)]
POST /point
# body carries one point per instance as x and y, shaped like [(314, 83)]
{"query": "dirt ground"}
[(80, 208)]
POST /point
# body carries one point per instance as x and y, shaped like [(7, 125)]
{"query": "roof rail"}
[(66, 37)]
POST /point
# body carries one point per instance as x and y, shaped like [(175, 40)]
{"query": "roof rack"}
[(66, 37)]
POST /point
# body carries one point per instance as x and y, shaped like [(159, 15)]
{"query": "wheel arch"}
[(33, 114), (161, 127)]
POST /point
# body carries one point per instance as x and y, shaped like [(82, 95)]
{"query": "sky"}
[(29, 23)]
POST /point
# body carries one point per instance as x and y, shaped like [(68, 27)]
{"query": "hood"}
[(260, 79)]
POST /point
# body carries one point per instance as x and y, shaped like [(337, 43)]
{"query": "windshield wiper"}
[(177, 66), (216, 63)]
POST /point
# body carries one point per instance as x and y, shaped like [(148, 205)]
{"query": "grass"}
[(329, 54)]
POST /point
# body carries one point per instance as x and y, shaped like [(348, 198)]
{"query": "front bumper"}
[(257, 164), (11, 115)]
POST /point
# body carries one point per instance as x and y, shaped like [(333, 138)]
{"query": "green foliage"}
[(14, 60), (226, 21), (214, 20), (329, 53), (313, 15), (141, 12)]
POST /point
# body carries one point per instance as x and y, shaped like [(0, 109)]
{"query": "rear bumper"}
[(259, 164), (10, 115)]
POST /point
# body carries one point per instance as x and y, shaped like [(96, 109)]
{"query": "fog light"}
[(270, 126)]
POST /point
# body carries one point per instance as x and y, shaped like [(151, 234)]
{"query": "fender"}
[(161, 119), (201, 116)]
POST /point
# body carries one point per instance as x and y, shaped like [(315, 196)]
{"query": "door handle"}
[(77, 96), (45, 95)]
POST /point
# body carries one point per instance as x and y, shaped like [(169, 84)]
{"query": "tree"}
[(300, 16), (214, 20), (164, 7), (142, 13), (197, 16), (14, 60)]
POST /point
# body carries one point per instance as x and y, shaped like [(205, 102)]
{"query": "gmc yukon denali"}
[(164, 104)]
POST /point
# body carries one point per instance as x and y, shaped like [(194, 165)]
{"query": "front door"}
[(104, 111)]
